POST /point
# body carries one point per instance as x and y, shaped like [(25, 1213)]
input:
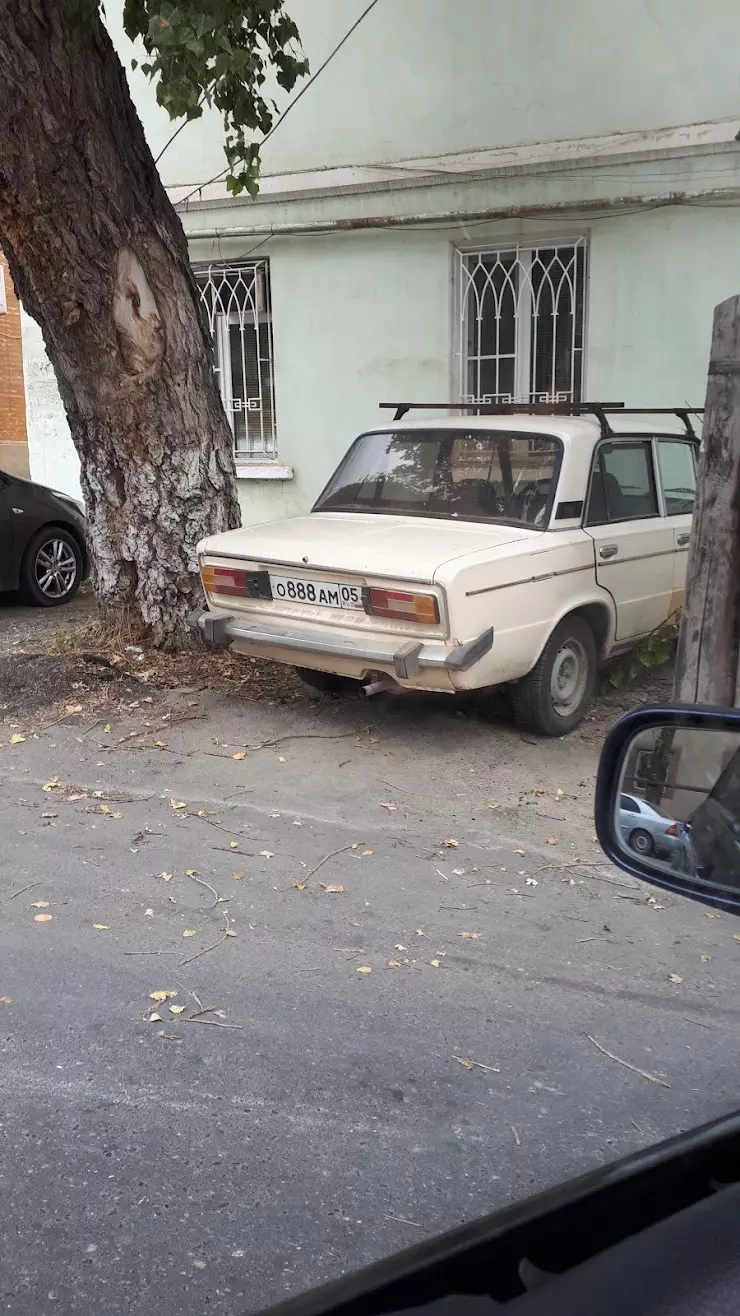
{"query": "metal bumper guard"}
[(406, 659)]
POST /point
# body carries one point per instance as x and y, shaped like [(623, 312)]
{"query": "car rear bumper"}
[(406, 659)]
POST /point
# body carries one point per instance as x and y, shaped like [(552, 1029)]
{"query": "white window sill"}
[(263, 471)]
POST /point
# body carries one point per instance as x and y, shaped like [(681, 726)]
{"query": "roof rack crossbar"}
[(600, 410)]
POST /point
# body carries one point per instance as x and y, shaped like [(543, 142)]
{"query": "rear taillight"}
[(400, 606), (672, 830), (235, 581)]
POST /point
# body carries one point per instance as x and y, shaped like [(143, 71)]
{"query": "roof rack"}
[(600, 410)]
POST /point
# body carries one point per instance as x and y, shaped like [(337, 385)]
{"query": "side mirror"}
[(668, 800)]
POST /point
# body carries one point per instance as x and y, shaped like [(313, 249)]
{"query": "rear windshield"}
[(497, 476)]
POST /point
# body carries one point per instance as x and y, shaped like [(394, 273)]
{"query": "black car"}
[(42, 542)]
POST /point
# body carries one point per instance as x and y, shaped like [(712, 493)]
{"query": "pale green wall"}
[(364, 318), (655, 280), (431, 76)]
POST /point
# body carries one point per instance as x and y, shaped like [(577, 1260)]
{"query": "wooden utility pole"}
[(709, 640)]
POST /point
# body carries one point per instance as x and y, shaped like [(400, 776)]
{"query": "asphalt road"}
[(322, 1120)]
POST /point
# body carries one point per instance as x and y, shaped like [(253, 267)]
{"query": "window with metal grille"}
[(522, 323), (236, 300)]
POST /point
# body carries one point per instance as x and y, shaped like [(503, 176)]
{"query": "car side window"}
[(627, 804), (622, 484), (677, 466)]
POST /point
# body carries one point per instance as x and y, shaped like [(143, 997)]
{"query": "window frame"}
[(522, 248), (218, 322), (625, 440)]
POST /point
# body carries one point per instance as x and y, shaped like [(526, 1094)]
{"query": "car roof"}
[(568, 428)]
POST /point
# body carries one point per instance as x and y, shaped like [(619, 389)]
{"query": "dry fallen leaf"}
[(176, 1009), (470, 936), (107, 728), (552, 840), (451, 844), (436, 964), (148, 913), (101, 927), (190, 932), (368, 852), (517, 1139), (398, 946), (49, 813), (709, 914), (104, 808), (736, 936), (39, 904), (42, 918), (166, 877), (50, 785), (459, 872), (17, 738), (114, 814), (299, 886), (420, 932), (519, 852), (674, 977), (6, 1000), (192, 872), (233, 845), (178, 804), (331, 890), (532, 881), (282, 758), (154, 1018), (238, 877), (161, 995), (466, 1064), (364, 968), (241, 755), (705, 959), (558, 794), (392, 808), (266, 854)]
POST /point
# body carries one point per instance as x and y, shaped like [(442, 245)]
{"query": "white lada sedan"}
[(466, 552)]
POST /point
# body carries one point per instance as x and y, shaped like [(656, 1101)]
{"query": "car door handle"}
[(608, 550), (683, 538)]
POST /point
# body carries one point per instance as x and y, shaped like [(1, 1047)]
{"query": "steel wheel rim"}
[(641, 843), (55, 568), (569, 678)]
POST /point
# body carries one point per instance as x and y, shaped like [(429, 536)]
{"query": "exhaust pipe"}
[(376, 687)]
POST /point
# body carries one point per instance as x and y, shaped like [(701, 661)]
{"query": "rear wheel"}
[(51, 571), (328, 683), (641, 841), (553, 697)]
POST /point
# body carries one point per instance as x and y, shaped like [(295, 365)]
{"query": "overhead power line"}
[(281, 119)]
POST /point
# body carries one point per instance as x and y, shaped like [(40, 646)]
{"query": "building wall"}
[(369, 317), (13, 445), (425, 77)]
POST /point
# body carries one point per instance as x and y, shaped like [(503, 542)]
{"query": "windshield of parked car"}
[(469, 475)]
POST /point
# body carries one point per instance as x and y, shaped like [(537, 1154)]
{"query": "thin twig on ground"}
[(317, 735), (202, 882), (401, 1220), (652, 1078), (212, 1023), (227, 932), (305, 877), (233, 849), (23, 888)]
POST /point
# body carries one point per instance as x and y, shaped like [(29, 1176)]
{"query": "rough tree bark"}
[(709, 638), (100, 260)]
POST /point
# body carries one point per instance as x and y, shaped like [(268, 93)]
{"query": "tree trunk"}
[(709, 638), (99, 258)]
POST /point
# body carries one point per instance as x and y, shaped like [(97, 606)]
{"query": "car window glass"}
[(477, 476), (677, 467), (622, 484), (629, 805)]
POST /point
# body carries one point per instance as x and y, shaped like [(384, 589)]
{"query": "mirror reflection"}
[(678, 804)]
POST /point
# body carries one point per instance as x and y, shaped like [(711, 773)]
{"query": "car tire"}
[(327, 683), (52, 568), (552, 699), (641, 842)]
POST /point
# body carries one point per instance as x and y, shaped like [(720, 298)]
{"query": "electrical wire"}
[(281, 118)]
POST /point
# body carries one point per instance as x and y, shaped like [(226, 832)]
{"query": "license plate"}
[(326, 593)]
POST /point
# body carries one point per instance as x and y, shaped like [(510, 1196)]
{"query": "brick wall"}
[(13, 440)]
